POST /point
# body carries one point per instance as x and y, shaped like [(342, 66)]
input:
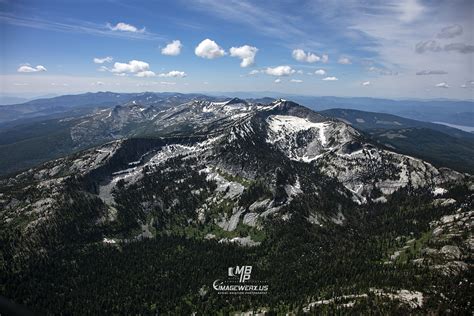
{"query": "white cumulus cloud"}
[(280, 71), (28, 68), (172, 49), (344, 61), (107, 59), (133, 66), (442, 85), (124, 27), (145, 74), (278, 80), (320, 72), (366, 83), (254, 72), (209, 49), (173, 74), (246, 53), (296, 80), (330, 79), (301, 55)]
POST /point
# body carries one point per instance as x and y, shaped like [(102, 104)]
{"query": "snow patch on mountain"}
[(283, 125), (299, 138)]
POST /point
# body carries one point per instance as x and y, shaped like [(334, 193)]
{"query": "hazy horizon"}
[(240, 94)]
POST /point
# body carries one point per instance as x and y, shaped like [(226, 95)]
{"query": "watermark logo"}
[(243, 271), (239, 282)]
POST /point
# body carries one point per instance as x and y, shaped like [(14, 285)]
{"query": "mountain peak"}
[(284, 104), (236, 101)]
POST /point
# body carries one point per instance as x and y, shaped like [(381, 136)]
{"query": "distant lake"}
[(461, 127)]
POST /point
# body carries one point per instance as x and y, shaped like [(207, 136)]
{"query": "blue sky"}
[(393, 49)]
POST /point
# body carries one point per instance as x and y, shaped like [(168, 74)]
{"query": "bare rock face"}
[(451, 252)]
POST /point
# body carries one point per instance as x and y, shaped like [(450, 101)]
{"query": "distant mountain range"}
[(372, 120), (441, 110), (458, 112), (79, 103), (454, 112), (49, 128), (45, 129), (439, 144), (4, 100)]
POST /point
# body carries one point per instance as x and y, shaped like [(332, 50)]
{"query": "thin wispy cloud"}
[(74, 26), (344, 61), (428, 46), (450, 31), (397, 49), (409, 10), (125, 27), (259, 17), (382, 71), (107, 59), (467, 85), (431, 72), (435, 47), (460, 48)]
